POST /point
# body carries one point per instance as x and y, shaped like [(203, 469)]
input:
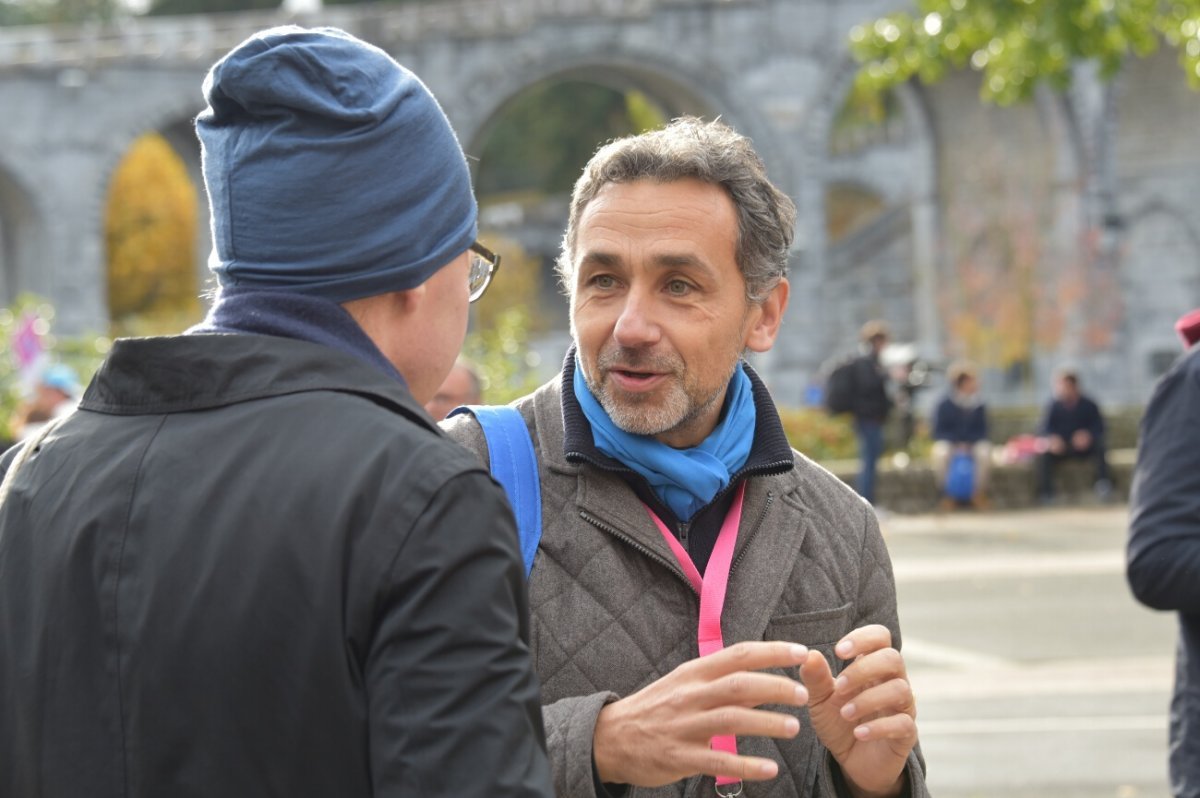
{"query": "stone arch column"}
[(922, 200), (22, 235)]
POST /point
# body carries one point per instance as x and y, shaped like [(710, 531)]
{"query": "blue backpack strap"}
[(514, 466)]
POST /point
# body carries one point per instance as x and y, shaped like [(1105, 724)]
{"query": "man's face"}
[(442, 316), (659, 309), (1067, 390)]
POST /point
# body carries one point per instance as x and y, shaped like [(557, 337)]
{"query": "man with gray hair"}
[(250, 564), (691, 564)]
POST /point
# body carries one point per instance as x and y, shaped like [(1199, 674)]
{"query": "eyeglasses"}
[(484, 264)]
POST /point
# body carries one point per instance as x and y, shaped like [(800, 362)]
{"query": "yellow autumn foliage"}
[(150, 235)]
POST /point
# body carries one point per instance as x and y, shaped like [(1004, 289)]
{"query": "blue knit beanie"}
[(331, 170)]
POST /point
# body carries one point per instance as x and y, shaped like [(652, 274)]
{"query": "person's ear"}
[(409, 299), (764, 327)]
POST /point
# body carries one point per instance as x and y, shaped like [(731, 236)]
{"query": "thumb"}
[(817, 677)]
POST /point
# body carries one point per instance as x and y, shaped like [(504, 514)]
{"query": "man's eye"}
[(678, 287), (603, 281)]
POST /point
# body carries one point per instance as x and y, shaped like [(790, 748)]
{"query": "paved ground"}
[(1037, 674)]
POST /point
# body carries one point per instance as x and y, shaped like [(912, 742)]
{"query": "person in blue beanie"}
[(250, 563)]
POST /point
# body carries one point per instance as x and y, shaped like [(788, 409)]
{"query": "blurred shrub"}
[(818, 435), (150, 235)]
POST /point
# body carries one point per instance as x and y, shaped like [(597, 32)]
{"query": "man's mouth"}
[(634, 380)]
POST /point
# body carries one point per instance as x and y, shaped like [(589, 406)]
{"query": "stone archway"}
[(538, 227)]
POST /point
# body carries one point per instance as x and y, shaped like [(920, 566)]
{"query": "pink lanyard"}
[(712, 601)]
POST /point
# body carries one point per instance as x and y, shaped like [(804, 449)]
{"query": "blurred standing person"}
[(1164, 540), (1071, 428), (960, 427), (461, 387), (871, 404), (249, 564)]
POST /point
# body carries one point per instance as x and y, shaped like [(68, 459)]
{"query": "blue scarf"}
[(685, 479), (285, 314)]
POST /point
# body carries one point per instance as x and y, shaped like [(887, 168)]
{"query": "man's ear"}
[(409, 299), (377, 315), (764, 327)]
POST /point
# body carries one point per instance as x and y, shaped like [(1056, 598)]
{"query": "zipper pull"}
[(683, 534)]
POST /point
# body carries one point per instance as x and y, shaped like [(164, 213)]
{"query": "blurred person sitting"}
[(1071, 429), (55, 396), (461, 387), (960, 428)]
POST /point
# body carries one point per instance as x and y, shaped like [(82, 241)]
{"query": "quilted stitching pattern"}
[(608, 618)]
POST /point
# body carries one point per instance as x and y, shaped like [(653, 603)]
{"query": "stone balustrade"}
[(202, 38)]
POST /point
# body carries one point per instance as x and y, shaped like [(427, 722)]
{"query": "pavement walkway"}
[(1037, 674)]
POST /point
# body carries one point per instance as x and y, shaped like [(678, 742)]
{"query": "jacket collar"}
[(776, 517), (203, 371)]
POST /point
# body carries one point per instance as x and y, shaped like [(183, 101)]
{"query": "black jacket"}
[(252, 566), (871, 400), (1164, 546), (1065, 421)]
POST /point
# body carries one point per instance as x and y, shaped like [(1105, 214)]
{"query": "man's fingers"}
[(749, 656), (817, 677), (746, 768), (751, 689), (902, 728), (870, 669), (863, 640), (889, 698), (742, 722)]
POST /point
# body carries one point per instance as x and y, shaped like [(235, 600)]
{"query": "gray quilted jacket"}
[(612, 610)]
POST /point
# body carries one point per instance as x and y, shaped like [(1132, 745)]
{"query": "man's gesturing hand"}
[(661, 733), (867, 717)]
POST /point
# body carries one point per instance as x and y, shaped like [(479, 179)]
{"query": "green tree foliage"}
[(167, 7), (1018, 43), (150, 233), (50, 12), (543, 138), (503, 322)]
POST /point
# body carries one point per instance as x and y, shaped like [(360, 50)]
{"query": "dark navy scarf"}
[(289, 315)]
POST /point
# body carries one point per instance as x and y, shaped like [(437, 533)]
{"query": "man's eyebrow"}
[(594, 258), (608, 260), (674, 261)]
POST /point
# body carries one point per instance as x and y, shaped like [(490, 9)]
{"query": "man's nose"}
[(637, 326)]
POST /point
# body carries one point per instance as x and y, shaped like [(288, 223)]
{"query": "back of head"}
[(61, 378), (1188, 327), (331, 170), (713, 153), (872, 331), (960, 372)]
